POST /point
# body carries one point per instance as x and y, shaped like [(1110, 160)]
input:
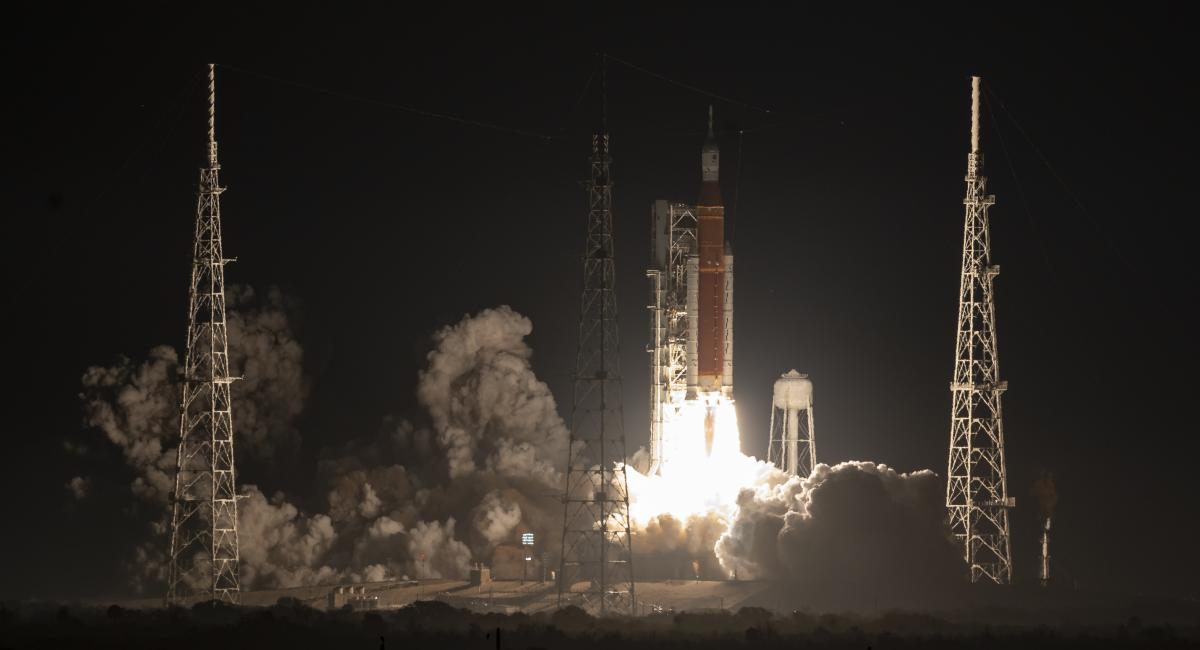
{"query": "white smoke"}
[(280, 546), (426, 502), (435, 552), (136, 405), (488, 407), (265, 354), (497, 518), (489, 459)]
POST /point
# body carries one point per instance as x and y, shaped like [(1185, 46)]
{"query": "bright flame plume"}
[(703, 468)]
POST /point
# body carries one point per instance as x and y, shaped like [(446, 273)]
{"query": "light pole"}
[(527, 553)]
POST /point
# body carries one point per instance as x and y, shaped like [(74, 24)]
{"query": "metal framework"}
[(596, 540), (204, 514), (976, 482), (793, 442), (673, 240)]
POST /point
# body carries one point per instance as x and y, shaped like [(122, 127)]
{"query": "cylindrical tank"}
[(793, 391)]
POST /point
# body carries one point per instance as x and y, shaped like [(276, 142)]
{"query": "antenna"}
[(597, 537), (975, 81), (212, 115), (977, 497), (203, 562)]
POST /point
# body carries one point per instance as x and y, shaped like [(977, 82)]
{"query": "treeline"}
[(438, 626)]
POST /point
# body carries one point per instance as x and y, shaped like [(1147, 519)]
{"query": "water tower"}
[(793, 446)]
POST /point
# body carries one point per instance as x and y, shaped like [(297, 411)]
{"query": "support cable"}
[(1067, 188), (392, 105), (1024, 201), (686, 86)]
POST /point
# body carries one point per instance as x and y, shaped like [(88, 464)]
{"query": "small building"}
[(480, 575), (354, 596)]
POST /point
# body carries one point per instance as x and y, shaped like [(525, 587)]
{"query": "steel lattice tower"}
[(596, 541), (204, 518), (976, 481)]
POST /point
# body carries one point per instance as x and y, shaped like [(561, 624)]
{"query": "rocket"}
[(713, 311), (691, 316)]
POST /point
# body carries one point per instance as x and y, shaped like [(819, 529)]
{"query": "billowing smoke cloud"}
[(428, 501), (487, 406), (666, 548), (136, 405), (412, 501), (855, 534), (279, 545), (496, 518), (263, 351)]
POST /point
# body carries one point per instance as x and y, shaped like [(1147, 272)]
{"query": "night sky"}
[(381, 226)]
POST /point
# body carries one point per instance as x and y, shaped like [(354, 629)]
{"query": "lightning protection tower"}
[(793, 442), (204, 515), (596, 540), (976, 483)]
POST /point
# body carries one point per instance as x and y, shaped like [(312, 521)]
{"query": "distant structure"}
[(793, 441), (976, 480), (1047, 498), (691, 307), (353, 596), (203, 560), (596, 540), (1044, 573)]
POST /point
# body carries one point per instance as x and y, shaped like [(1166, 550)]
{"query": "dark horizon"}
[(380, 226)]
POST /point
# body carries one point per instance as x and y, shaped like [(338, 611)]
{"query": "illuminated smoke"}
[(136, 405), (666, 547), (849, 533), (411, 501), (490, 411), (427, 501), (496, 518)]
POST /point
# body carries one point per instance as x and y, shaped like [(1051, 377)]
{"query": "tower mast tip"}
[(212, 114), (975, 83)]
